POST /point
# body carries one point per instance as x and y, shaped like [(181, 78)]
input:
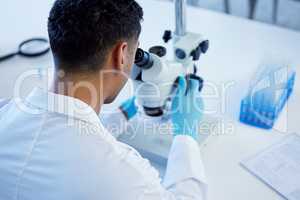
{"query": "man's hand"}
[(129, 108), (187, 108)]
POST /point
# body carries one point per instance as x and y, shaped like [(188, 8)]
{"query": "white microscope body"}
[(154, 75)]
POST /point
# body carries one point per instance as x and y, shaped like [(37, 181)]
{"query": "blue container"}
[(268, 93)]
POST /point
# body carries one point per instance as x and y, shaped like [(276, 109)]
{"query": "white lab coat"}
[(54, 147)]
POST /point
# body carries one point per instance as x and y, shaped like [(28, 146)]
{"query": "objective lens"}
[(154, 112)]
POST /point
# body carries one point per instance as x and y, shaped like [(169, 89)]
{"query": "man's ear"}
[(119, 55)]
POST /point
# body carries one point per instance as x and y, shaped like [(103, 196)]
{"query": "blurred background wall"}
[(285, 13)]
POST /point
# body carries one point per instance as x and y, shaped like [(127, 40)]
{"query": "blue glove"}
[(129, 108), (187, 108)]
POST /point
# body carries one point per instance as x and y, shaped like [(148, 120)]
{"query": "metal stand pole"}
[(227, 6), (275, 11), (180, 14), (252, 8)]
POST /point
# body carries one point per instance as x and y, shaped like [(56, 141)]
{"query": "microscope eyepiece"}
[(143, 59)]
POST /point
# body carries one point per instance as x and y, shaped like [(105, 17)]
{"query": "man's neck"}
[(82, 87)]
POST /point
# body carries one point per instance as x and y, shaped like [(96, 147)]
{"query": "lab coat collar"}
[(65, 105)]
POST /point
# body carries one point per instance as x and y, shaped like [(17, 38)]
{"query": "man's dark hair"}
[(82, 31)]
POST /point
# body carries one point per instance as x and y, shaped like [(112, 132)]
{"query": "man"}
[(53, 145)]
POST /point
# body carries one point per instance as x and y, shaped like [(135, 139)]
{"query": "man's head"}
[(92, 36)]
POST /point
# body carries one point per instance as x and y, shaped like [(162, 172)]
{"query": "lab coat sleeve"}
[(115, 122), (185, 176)]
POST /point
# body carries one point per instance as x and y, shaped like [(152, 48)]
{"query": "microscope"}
[(154, 79), (154, 76)]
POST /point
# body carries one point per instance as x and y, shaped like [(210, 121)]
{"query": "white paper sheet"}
[(279, 167)]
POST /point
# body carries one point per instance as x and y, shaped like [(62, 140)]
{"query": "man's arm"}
[(185, 172), (185, 178)]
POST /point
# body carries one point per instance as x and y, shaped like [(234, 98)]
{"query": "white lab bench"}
[(237, 48)]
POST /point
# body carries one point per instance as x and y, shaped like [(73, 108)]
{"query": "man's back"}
[(51, 155), (35, 163)]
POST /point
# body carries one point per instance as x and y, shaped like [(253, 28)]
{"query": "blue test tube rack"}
[(262, 108)]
